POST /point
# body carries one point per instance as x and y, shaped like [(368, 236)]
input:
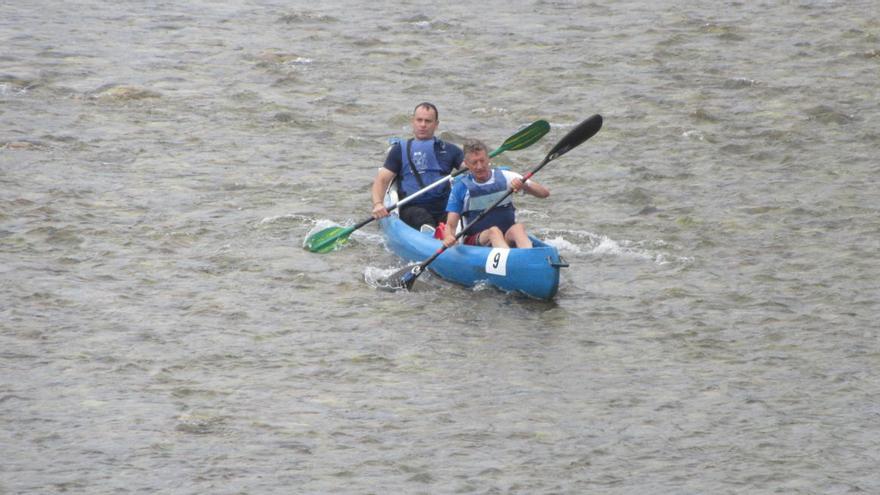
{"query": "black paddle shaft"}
[(585, 130)]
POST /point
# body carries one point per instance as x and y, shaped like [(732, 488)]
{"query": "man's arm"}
[(451, 226), (377, 192), (529, 186)]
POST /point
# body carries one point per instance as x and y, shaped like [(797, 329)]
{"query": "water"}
[(163, 331)]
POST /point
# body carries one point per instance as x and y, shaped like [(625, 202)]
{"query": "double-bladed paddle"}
[(406, 277), (328, 239)]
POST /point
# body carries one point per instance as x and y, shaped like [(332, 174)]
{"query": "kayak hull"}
[(533, 272)]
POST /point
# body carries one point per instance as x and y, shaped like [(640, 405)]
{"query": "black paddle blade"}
[(409, 278), (585, 130), (402, 279)]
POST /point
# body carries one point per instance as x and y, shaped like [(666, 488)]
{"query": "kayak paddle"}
[(406, 277), (328, 239)]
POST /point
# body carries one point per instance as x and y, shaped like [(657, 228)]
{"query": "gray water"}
[(164, 331)]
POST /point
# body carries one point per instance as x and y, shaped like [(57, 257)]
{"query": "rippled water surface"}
[(163, 331)]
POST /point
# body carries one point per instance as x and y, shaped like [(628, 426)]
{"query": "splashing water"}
[(602, 245)]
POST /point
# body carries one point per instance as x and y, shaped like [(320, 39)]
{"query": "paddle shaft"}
[(344, 233), (482, 215), (427, 188), (576, 136)]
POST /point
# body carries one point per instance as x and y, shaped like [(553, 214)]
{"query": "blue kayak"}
[(533, 272)]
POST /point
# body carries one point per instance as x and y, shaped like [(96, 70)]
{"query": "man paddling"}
[(418, 161), (480, 188)]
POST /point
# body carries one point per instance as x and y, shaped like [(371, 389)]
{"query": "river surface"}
[(162, 330)]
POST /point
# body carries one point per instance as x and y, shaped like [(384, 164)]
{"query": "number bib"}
[(496, 263)]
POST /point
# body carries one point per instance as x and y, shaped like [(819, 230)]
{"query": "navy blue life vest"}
[(424, 160)]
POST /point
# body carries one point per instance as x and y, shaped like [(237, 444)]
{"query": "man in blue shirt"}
[(479, 189), (418, 162)]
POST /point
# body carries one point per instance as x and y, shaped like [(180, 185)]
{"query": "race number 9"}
[(496, 262)]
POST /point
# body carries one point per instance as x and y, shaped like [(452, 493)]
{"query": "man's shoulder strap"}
[(412, 166)]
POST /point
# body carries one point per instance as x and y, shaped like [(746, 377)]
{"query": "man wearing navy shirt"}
[(418, 162)]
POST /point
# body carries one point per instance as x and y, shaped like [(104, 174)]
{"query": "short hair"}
[(474, 146), (429, 106)]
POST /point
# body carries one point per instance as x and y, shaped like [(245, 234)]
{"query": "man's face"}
[(424, 123), (478, 163)]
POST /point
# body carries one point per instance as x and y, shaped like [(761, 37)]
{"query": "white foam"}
[(564, 246), (279, 218), (694, 134), (378, 278), (602, 245)]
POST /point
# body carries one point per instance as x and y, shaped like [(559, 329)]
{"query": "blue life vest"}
[(428, 167), (483, 195)]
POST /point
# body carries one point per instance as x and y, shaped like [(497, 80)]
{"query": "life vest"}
[(425, 162), (481, 196)]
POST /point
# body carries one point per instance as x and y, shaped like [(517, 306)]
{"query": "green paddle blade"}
[(328, 239), (524, 138)]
